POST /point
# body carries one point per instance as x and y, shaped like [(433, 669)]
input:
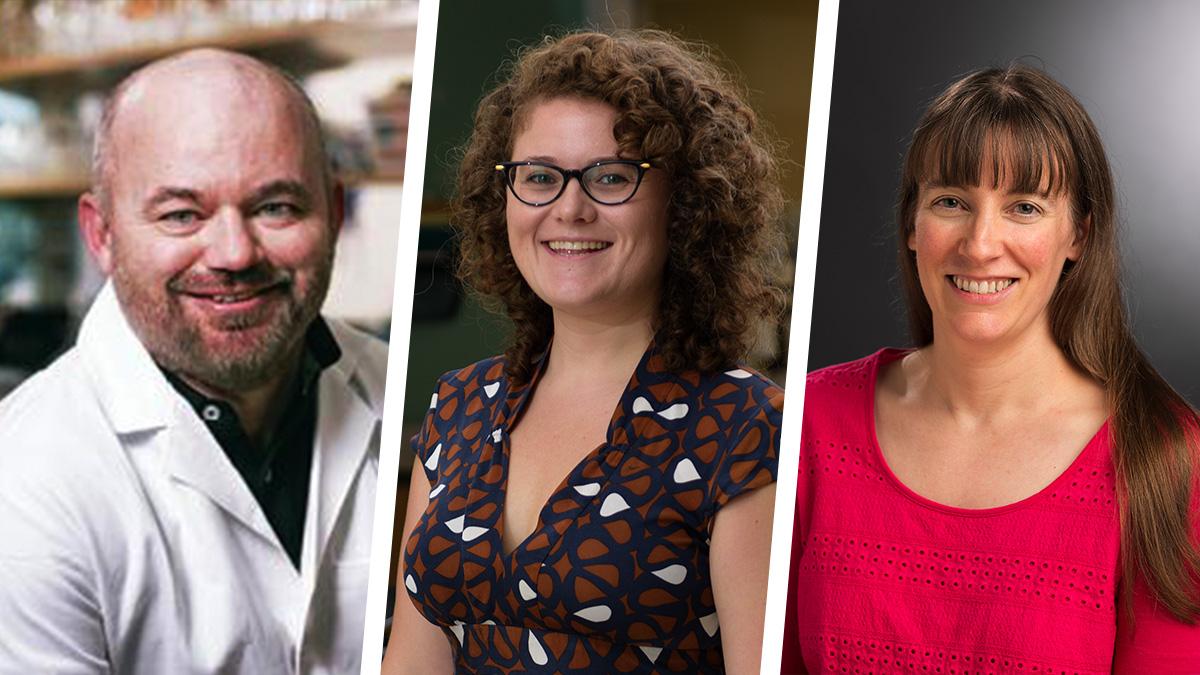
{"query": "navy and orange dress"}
[(615, 576)]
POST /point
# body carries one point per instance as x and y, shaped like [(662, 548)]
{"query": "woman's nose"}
[(574, 205), (981, 239)]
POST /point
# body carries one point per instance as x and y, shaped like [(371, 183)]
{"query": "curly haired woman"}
[(599, 498)]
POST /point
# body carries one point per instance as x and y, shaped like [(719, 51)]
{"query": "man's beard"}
[(262, 343)]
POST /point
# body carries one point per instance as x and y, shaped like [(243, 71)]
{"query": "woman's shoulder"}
[(732, 398), (850, 383), (479, 374), (752, 393), (851, 374), (484, 380), (745, 378)]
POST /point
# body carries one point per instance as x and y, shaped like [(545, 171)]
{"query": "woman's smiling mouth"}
[(576, 248), (980, 287)]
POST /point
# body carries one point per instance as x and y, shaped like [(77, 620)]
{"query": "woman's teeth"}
[(981, 287), (578, 245)]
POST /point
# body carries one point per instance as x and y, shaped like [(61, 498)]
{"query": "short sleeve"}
[(752, 458), (425, 443)]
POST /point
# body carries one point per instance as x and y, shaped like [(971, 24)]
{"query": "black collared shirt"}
[(277, 473)]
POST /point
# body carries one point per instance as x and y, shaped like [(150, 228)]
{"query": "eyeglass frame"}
[(506, 170)]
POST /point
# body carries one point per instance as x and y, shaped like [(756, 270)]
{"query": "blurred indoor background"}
[(58, 60)]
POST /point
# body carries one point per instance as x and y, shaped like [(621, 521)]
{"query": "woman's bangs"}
[(1020, 154)]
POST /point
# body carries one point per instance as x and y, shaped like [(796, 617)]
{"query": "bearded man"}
[(191, 487)]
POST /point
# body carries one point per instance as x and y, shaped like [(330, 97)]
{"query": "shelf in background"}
[(43, 187), (60, 64), (340, 40)]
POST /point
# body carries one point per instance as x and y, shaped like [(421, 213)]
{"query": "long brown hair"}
[(1037, 134), (678, 110)]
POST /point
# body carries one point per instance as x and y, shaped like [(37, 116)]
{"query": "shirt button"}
[(211, 413)]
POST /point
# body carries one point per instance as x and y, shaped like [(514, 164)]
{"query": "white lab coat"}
[(130, 544)]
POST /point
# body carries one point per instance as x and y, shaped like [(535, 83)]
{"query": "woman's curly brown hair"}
[(684, 114)]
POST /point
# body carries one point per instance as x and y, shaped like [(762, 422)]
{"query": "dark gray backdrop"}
[(1135, 66)]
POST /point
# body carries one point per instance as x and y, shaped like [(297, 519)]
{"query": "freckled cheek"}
[(1041, 253), (931, 247)]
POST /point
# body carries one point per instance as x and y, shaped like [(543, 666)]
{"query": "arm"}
[(414, 645), (1157, 642), (52, 615), (793, 660), (740, 559)]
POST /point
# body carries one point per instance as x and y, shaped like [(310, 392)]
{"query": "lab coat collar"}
[(132, 391)]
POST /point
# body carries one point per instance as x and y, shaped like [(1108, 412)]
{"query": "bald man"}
[(190, 488)]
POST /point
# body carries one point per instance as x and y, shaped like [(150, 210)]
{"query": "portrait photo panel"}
[(610, 203), (998, 453)]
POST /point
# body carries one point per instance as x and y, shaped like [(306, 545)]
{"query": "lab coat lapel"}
[(137, 399), (195, 459), (347, 428)]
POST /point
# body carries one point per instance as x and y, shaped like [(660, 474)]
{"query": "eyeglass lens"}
[(608, 183)]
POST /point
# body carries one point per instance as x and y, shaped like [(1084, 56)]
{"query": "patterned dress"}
[(615, 576)]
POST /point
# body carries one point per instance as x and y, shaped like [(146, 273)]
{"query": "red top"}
[(884, 580)]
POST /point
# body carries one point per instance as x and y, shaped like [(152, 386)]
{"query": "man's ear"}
[(95, 230), (337, 206), (1083, 229)]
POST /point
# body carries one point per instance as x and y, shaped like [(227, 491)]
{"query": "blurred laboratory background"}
[(767, 43), (58, 60)]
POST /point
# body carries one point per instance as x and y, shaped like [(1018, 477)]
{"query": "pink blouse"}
[(884, 580)]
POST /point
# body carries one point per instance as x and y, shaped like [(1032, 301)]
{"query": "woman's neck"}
[(584, 348), (981, 382)]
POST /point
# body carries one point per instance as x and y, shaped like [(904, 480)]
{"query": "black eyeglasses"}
[(610, 182)]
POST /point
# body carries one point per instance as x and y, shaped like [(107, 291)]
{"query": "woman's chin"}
[(978, 330)]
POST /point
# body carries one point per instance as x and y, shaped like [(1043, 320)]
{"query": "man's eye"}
[(181, 217), (279, 211)]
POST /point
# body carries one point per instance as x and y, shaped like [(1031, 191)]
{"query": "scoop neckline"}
[(888, 355)]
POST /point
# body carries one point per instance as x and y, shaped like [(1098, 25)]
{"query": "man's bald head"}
[(237, 73)]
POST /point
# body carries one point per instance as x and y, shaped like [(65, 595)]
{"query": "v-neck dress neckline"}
[(614, 577), (488, 491), (583, 475)]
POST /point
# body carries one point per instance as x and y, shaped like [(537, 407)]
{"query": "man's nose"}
[(232, 243)]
